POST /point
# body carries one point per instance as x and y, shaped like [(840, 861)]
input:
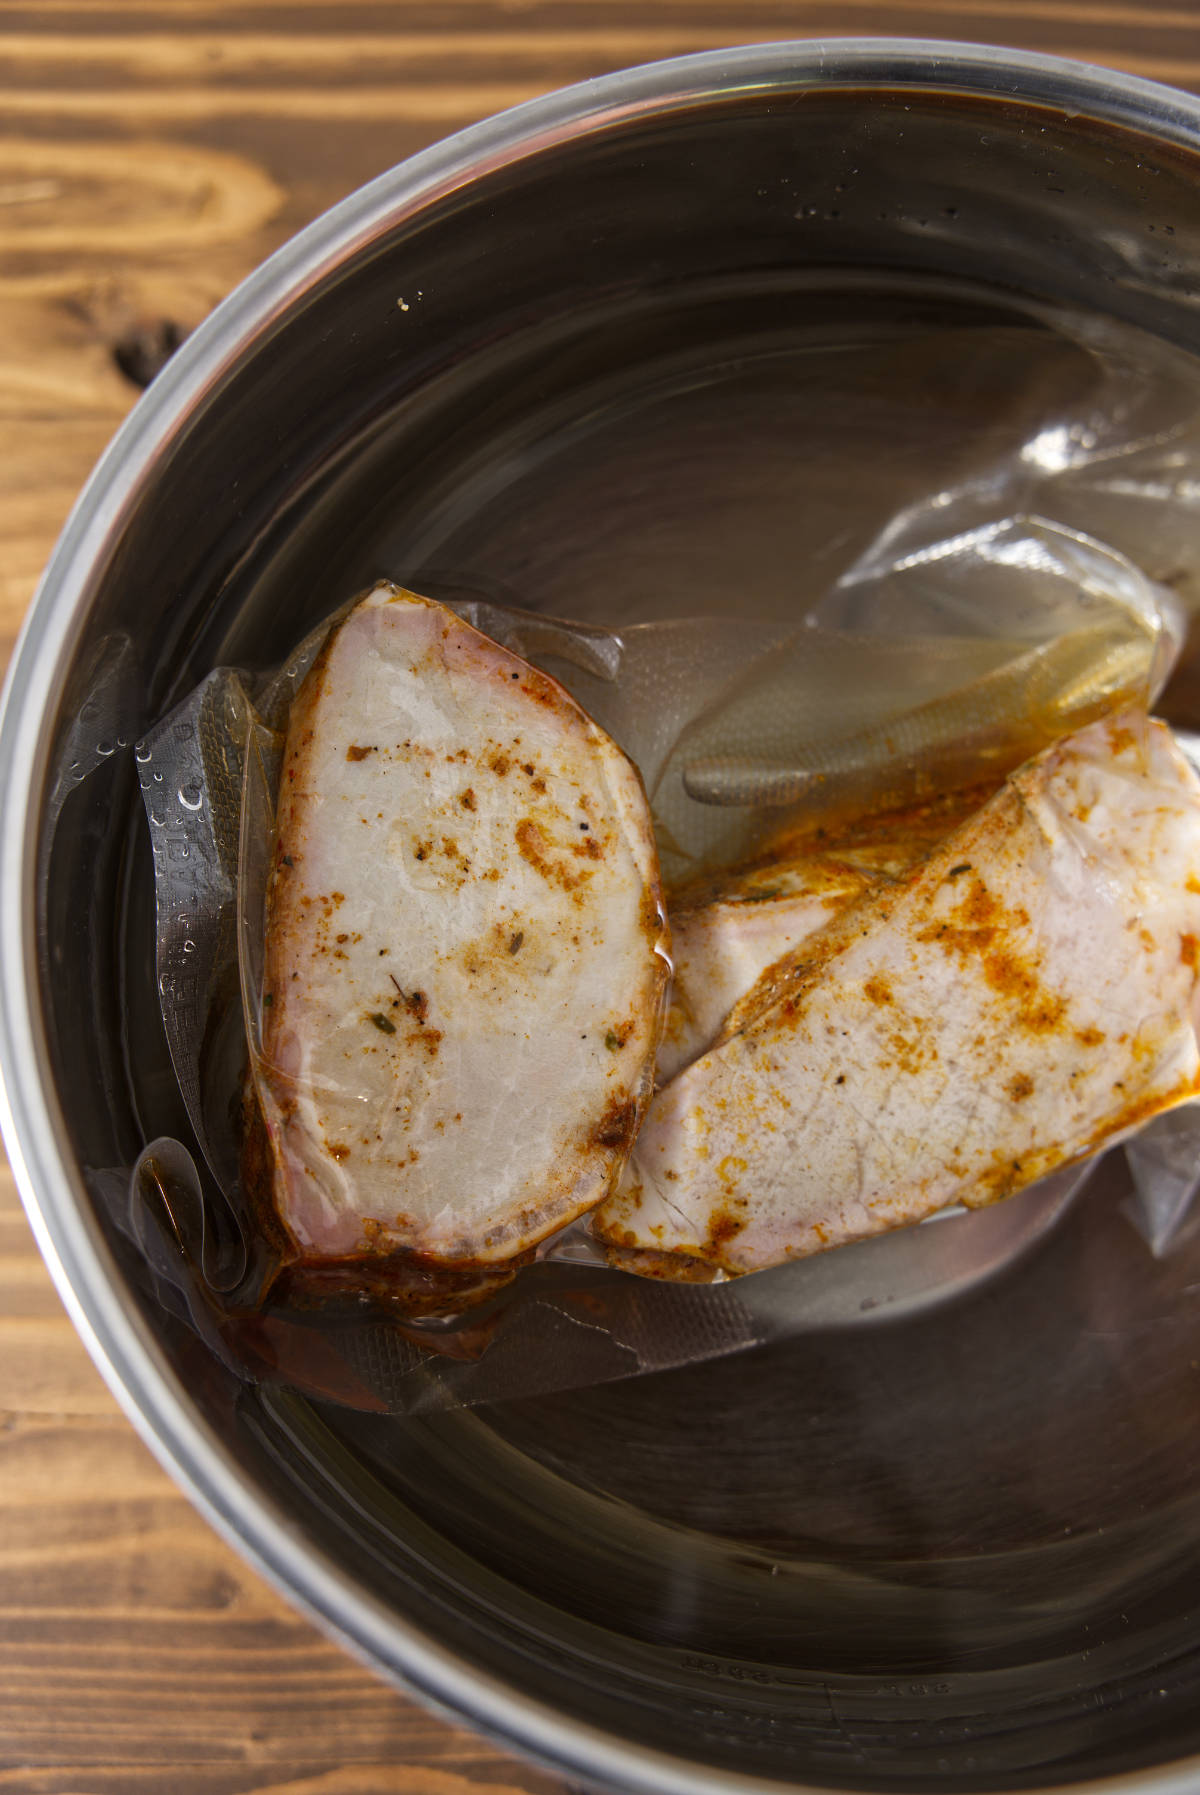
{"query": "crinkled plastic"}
[(1100, 431), (983, 622), (956, 665), (209, 774), (1164, 1160), (563, 1326)]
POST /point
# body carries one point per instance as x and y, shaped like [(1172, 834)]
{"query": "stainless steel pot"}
[(959, 1550)]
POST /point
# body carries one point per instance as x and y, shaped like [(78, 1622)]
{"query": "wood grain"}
[(150, 155)]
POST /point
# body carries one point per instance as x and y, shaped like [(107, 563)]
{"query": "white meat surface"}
[(737, 923), (1025, 994), (464, 974), (721, 948)]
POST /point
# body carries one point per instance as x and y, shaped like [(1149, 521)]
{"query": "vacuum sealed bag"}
[(549, 1000)]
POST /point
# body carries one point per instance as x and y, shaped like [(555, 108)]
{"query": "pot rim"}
[(117, 1337)]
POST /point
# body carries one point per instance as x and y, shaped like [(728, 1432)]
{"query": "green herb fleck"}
[(955, 870), (611, 1041), (268, 997), (382, 1024)]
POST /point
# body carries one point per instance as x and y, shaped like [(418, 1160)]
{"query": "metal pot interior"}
[(957, 1549)]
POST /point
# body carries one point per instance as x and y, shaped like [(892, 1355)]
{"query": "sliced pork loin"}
[(464, 967), (1025, 994), (722, 947), (729, 926)]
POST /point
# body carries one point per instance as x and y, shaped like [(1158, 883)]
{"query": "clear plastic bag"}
[(1164, 1161), (945, 669), (981, 623), (209, 777)]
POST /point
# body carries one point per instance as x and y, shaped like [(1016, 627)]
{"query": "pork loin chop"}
[(1024, 995), (464, 949)]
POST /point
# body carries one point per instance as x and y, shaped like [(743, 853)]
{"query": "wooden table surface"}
[(150, 156)]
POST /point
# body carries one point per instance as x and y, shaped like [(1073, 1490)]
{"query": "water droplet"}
[(141, 752), (158, 778), (190, 796), (189, 947), (105, 748)]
